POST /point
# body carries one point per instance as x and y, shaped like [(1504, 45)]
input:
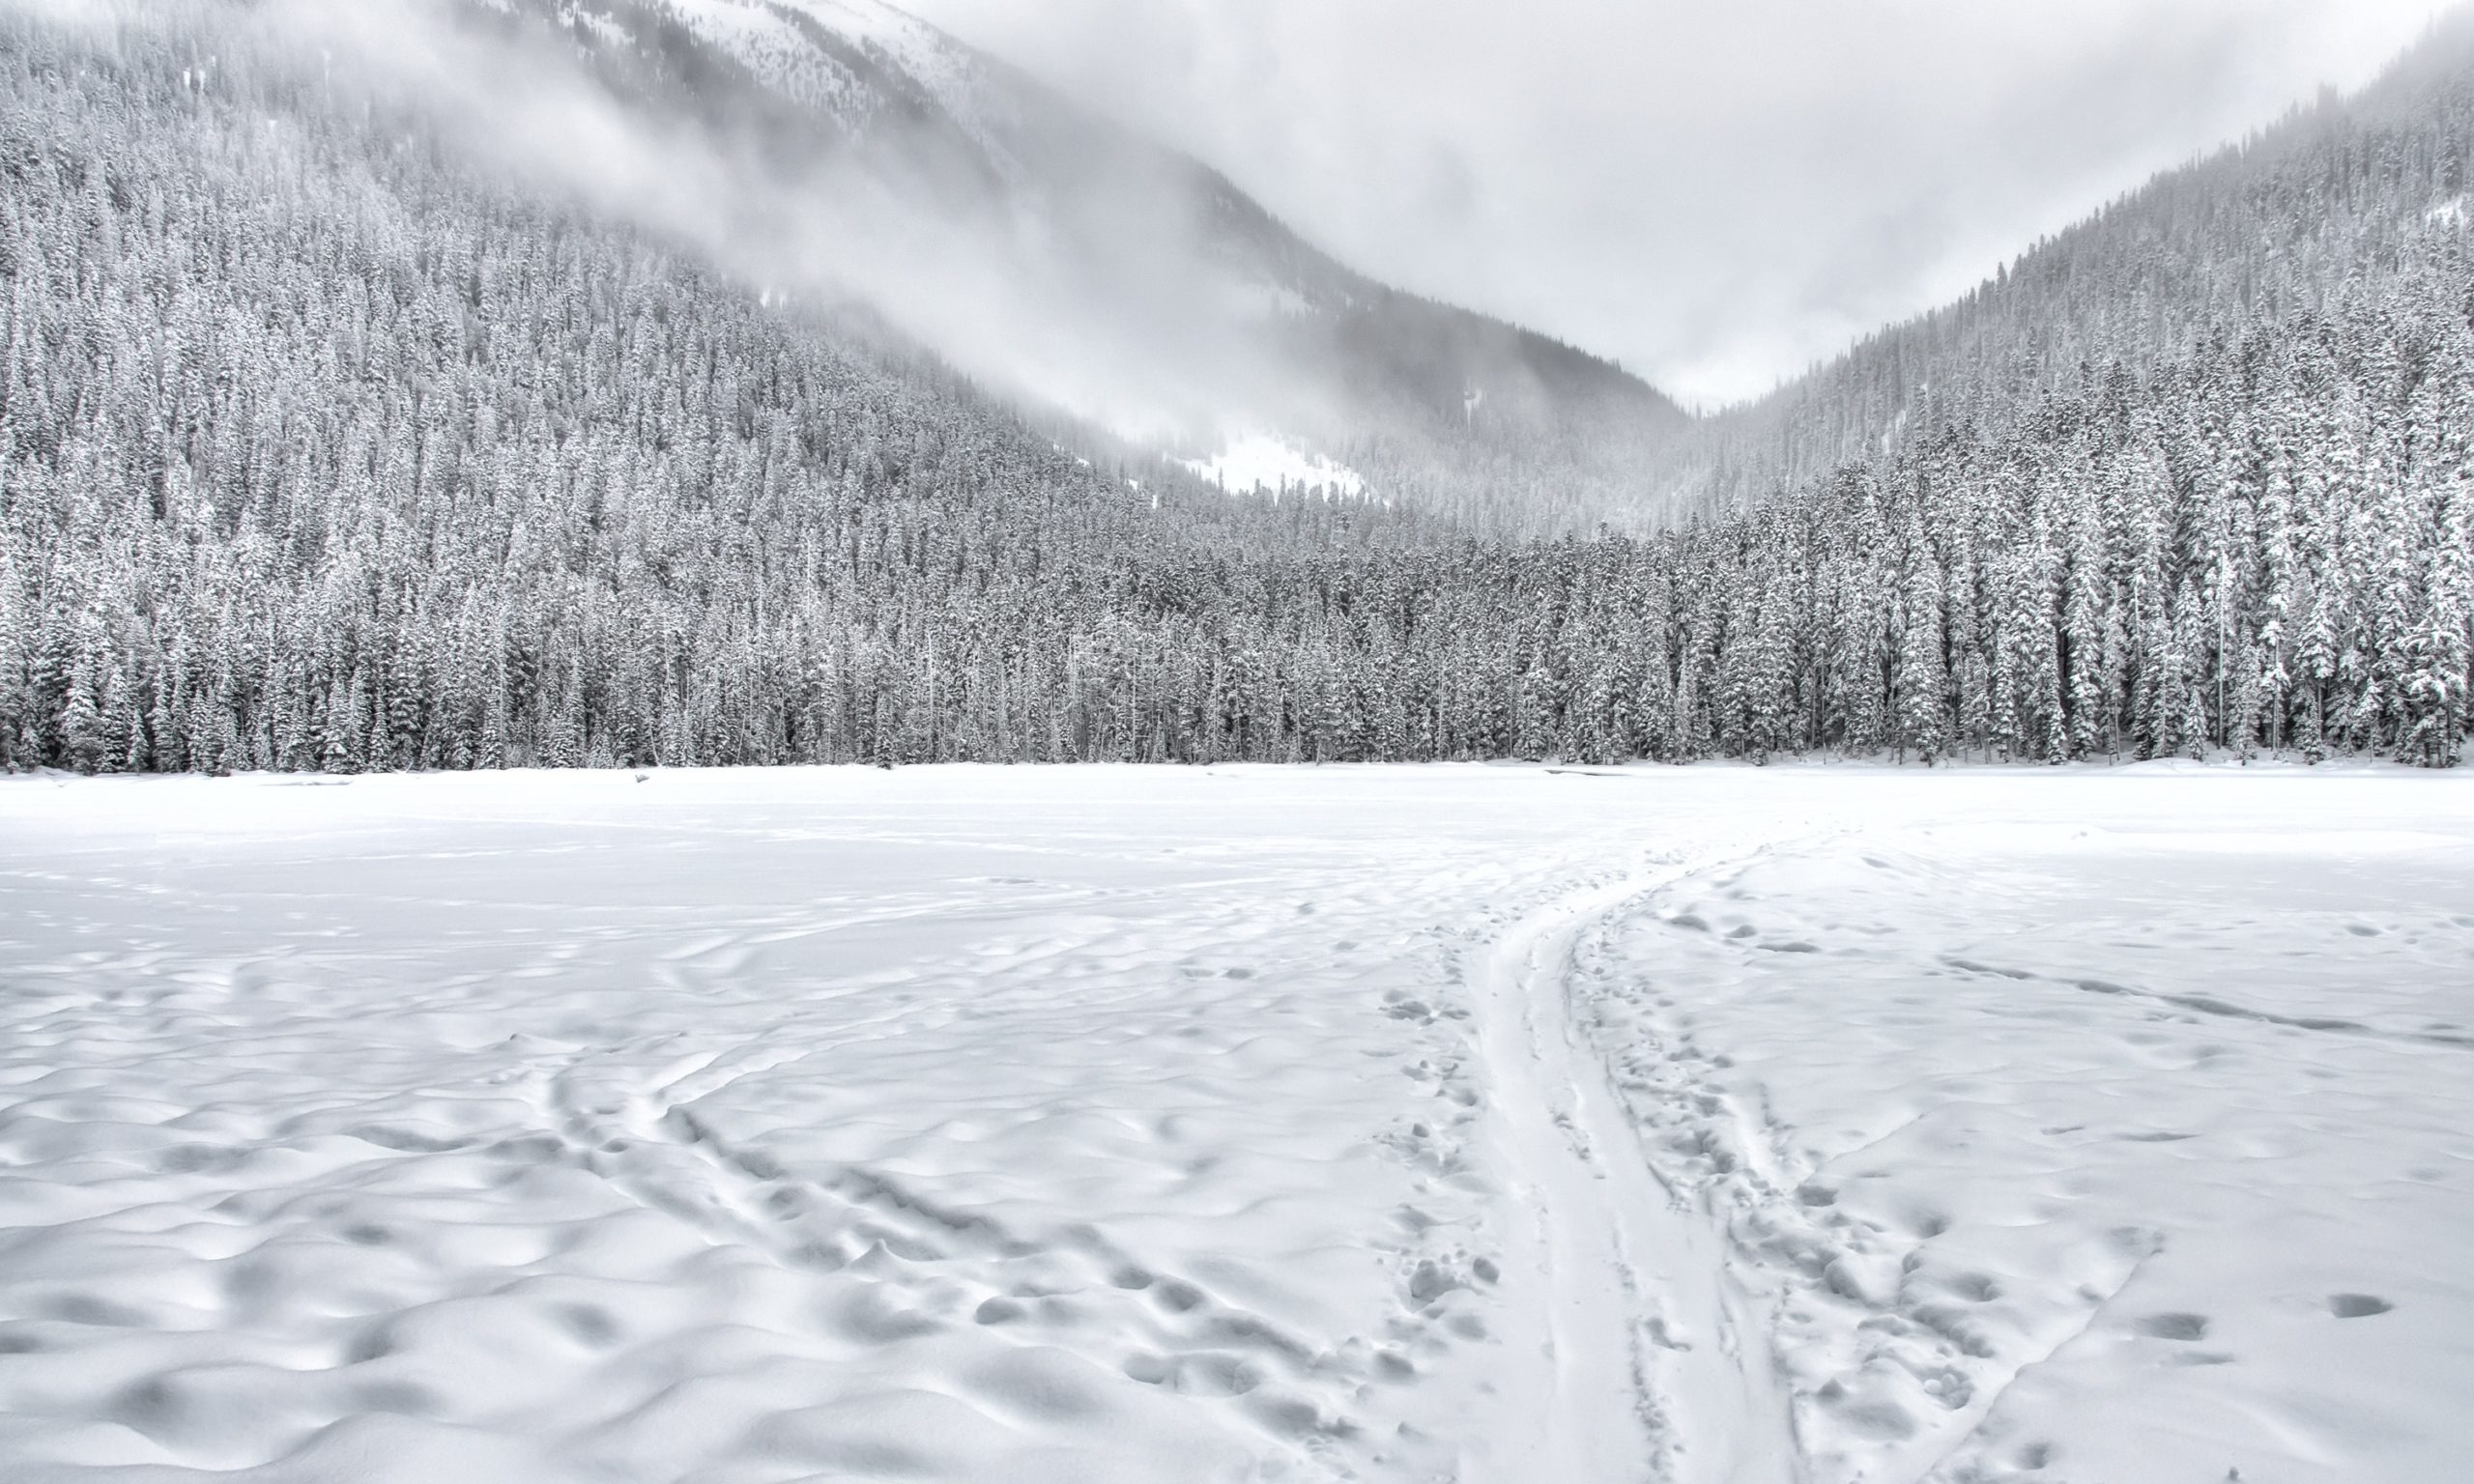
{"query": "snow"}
[(763, 36), (605, 28), (1259, 461), (2447, 213), (919, 48), (2057, 1142), (760, 37), (1490, 1122)]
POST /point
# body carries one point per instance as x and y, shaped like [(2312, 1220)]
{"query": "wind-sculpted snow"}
[(1454, 1123)]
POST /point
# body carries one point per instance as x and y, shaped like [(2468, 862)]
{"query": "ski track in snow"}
[(1467, 1124), (1632, 1277)]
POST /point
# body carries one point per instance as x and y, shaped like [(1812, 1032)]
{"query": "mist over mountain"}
[(843, 153)]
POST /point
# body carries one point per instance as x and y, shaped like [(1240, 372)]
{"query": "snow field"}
[(1478, 1123), (2095, 1147)]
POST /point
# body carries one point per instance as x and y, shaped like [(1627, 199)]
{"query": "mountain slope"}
[(334, 437), (2344, 196), (1124, 282)]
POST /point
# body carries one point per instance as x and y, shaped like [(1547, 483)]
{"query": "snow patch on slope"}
[(918, 63), (919, 48), (1258, 461), (604, 28), (760, 38)]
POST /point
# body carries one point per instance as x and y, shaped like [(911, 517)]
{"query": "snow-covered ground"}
[(1463, 1123)]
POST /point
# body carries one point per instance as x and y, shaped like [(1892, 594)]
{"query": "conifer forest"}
[(322, 449)]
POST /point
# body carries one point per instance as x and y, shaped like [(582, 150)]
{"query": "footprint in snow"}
[(2184, 1327)]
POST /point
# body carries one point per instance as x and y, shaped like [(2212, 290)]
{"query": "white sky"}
[(1715, 191)]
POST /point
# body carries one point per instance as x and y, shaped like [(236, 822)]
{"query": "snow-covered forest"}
[(321, 448)]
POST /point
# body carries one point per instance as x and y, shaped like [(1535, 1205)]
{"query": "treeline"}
[(318, 452)]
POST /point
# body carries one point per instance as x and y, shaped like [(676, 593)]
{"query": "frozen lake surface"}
[(1484, 1124)]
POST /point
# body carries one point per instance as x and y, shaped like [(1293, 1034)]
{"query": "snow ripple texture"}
[(1422, 1123)]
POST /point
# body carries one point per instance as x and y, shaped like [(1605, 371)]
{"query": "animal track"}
[(2171, 1326)]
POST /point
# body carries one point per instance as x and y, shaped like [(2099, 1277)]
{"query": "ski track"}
[(1657, 1364)]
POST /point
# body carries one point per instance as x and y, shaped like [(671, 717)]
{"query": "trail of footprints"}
[(1433, 1142), (915, 1265), (1882, 1333), (1878, 1327), (902, 1263)]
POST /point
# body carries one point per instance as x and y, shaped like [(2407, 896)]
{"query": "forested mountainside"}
[(2332, 200), (321, 448), (1152, 290)]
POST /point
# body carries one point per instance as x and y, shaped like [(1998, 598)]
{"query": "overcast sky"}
[(1715, 192)]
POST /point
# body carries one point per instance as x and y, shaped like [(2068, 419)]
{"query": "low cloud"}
[(1716, 194), (1138, 335)]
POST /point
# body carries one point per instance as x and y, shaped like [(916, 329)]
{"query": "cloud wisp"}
[(1097, 298)]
